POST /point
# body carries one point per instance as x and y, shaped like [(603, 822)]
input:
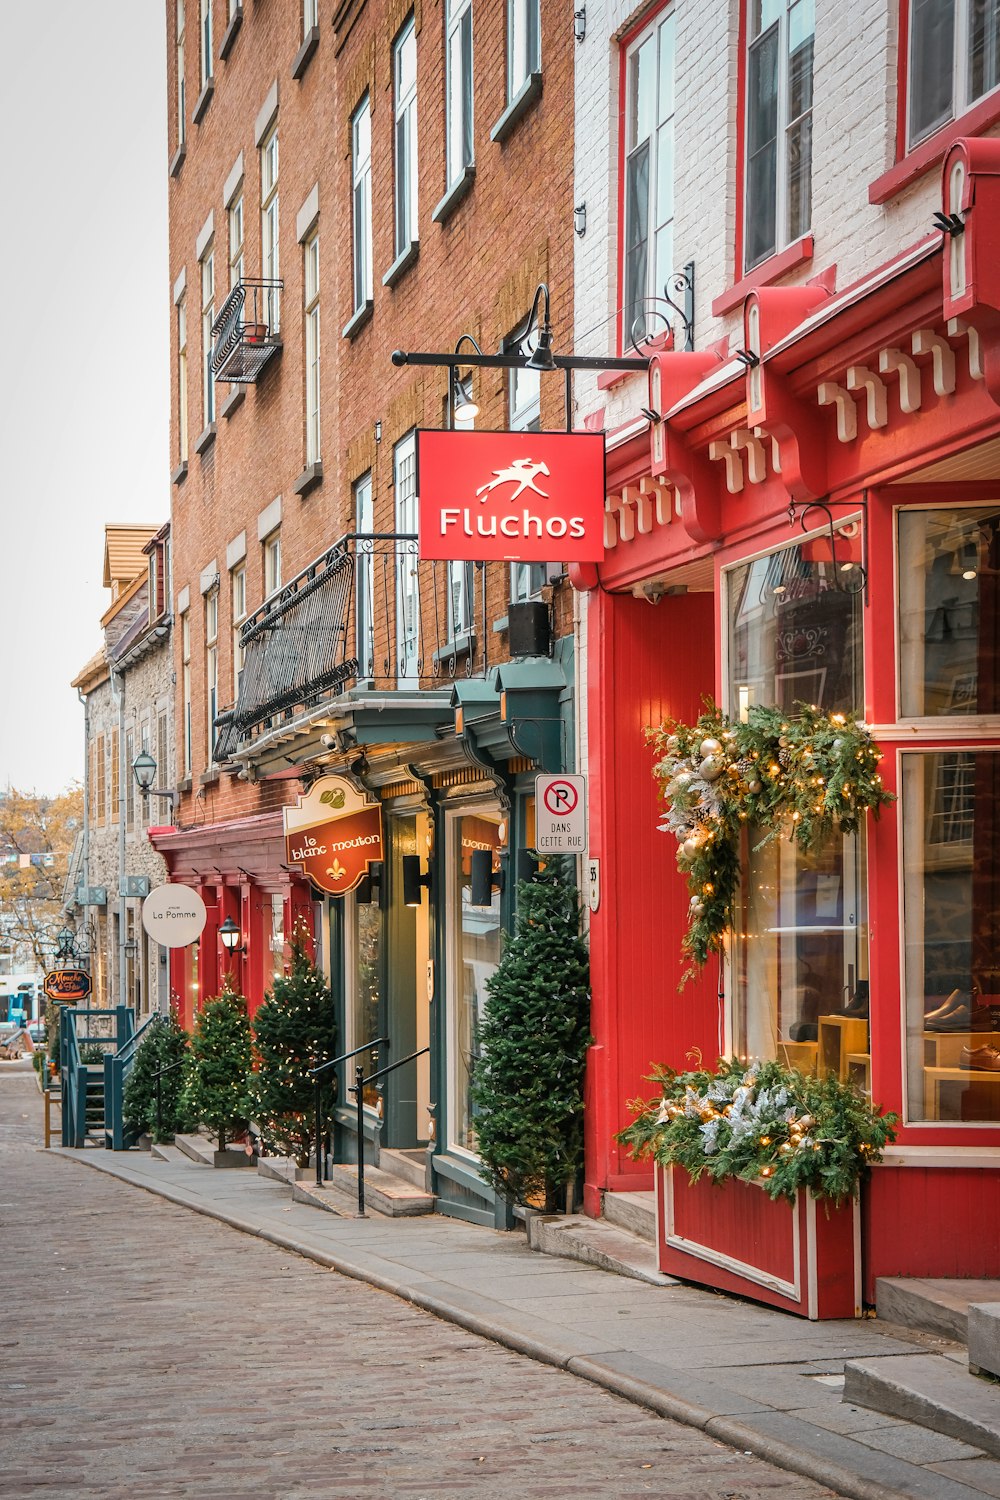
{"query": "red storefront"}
[(816, 517)]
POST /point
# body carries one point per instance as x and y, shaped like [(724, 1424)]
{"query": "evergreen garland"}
[(294, 1029), (164, 1045), (806, 776), (762, 1123), (217, 1087), (527, 1084)]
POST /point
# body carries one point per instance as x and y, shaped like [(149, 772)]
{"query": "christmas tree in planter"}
[(528, 1081), (294, 1030), (217, 1089), (164, 1046)]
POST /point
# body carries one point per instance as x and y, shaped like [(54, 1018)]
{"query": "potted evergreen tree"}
[(217, 1088), (163, 1050), (528, 1079)]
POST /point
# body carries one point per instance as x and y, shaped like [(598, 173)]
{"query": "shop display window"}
[(800, 952), (364, 968), (477, 944), (949, 610), (951, 923)]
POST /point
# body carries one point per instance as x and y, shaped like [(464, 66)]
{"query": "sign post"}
[(561, 814)]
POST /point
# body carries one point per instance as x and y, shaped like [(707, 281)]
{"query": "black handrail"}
[(315, 1073), (357, 1089), (159, 1092)]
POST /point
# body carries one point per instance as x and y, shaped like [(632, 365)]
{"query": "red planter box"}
[(803, 1257)]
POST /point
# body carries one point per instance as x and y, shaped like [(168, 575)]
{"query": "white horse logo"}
[(522, 472)]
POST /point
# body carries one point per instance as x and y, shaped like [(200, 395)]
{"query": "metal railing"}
[(83, 1083), (316, 1074), (245, 333), (117, 1067), (358, 1090), (157, 1076)]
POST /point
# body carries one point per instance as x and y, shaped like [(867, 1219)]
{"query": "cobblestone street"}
[(148, 1351)]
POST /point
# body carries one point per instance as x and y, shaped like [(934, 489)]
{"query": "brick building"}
[(127, 696), (391, 176), (802, 505)]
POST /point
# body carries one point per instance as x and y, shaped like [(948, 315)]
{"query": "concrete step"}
[(411, 1165), (984, 1338), (283, 1169), (577, 1237), (167, 1153), (936, 1305), (196, 1148), (383, 1190), (329, 1199), (929, 1389), (635, 1212)]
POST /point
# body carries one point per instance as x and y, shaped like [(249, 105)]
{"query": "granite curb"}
[(563, 1355)]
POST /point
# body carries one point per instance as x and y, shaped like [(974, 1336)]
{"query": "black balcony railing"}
[(245, 334), (367, 611)]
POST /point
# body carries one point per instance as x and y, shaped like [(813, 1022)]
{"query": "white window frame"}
[(310, 285), (186, 739), (182, 379), (649, 136), (361, 203), (310, 16), (404, 81), (779, 25), (460, 148), (205, 38), (207, 270), (962, 95), (270, 259), (237, 233), (404, 481), (180, 27), (271, 562), (238, 604), (364, 613), (524, 44), (211, 670)]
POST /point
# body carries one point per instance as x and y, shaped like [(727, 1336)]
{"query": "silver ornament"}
[(710, 768), (755, 787), (683, 778), (673, 743), (710, 746), (689, 848), (698, 907)]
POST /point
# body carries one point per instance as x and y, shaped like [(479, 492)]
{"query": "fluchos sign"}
[(511, 496), (333, 833)]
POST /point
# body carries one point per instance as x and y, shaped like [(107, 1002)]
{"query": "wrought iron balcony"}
[(367, 612), (245, 334)]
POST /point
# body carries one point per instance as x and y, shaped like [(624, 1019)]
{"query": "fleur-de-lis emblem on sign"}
[(337, 870)]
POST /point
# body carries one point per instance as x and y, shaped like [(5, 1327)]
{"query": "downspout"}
[(84, 699), (118, 694)]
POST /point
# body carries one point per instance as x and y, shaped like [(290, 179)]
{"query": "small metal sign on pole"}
[(561, 814)]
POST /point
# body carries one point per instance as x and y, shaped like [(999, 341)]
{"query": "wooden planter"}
[(803, 1257)]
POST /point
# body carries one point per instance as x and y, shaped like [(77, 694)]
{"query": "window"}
[(142, 807), (524, 414), (206, 41), (312, 353), (476, 949), (115, 776), (361, 178), (129, 779), (179, 65), (954, 60), (235, 216), (458, 88), (310, 16), (404, 73), (100, 781), (186, 690), (272, 563), (238, 590), (949, 571), (269, 262), (211, 667), (524, 53), (649, 170), (182, 380), (162, 758), (800, 953), (778, 184), (364, 525), (207, 319), (404, 458)]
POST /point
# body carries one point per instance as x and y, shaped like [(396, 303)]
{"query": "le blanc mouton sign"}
[(333, 833), (511, 496)]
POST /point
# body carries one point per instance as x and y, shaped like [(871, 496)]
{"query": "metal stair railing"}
[(83, 1083), (357, 1089), (316, 1075), (117, 1067)]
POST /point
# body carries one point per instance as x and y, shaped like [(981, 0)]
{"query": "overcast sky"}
[(84, 403)]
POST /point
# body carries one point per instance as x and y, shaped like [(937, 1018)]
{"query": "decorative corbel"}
[(860, 378), (695, 481), (958, 328), (925, 341), (640, 504), (662, 498), (745, 441), (829, 393), (720, 450), (797, 429), (895, 361)]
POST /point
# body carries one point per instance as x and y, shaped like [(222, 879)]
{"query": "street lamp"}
[(144, 771), (230, 936), (65, 943)]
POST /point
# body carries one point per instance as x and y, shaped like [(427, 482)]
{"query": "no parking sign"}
[(561, 814)]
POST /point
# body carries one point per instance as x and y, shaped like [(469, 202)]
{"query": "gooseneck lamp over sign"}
[(231, 937)]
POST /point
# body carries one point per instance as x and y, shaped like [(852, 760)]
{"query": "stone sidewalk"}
[(764, 1382)]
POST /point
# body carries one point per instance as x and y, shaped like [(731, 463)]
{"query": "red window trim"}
[(796, 254), (932, 151)]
